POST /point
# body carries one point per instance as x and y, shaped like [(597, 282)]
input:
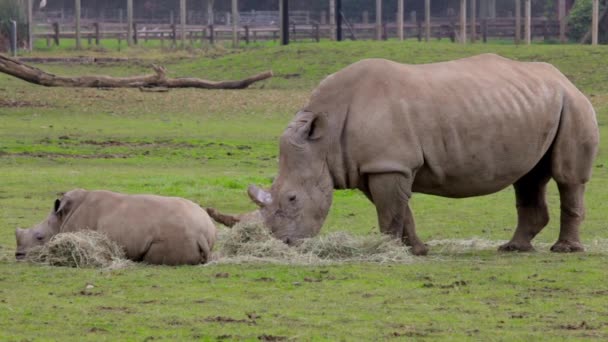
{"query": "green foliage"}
[(579, 21)]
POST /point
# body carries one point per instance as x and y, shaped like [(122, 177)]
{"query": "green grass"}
[(209, 145)]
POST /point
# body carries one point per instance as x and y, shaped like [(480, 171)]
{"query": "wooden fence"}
[(170, 34)]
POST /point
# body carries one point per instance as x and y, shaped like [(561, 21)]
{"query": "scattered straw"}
[(80, 249), (252, 242)]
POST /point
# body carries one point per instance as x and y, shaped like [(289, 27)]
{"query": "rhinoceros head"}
[(298, 201), (43, 231)]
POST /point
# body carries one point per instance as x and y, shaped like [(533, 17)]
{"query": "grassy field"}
[(209, 145)]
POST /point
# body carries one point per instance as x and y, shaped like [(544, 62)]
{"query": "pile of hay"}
[(252, 242), (79, 249)]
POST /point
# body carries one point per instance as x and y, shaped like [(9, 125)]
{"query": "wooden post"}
[(284, 14), (595, 22), (129, 22), (317, 32), (210, 15), (400, 19), (211, 35), (182, 22), (463, 21), (562, 20), (419, 30), (378, 19), (492, 9), (56, 32), (427, 20), (173, 35), (473, 16), (246, 34), (77, 18), (517, 21), (332, 18), (30, 26), (528, 22), (135, 37), (97, 37), (235, 23), (338, 20), (484, 30)]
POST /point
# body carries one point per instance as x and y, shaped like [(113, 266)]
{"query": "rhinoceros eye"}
[(39, 236)]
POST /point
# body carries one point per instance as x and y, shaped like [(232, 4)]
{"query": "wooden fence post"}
[(379, 27), (595, 21), (517, 37), (97, 35), (182, 22), (400, 19), (235, 23), (528, 22), (484, 30), (211, 35), (317, 32), (135, 37), (473, 21), (173, 36), (427, 20), (384, 31), (562, 20), (30, 26), (56, 33), (129, 22), (463, 21), (77, 18), (419, 30), (246, 34)]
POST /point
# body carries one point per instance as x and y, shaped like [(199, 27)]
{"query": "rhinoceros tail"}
[(204, 249), (227, 220)]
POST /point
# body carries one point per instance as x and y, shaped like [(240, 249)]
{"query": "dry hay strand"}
[(251, 241), (80, 249)]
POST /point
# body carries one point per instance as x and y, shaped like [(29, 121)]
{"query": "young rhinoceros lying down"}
[(152, 229)]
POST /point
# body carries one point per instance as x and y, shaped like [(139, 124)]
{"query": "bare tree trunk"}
[(30, 74)]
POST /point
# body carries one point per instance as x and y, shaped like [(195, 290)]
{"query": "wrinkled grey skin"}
[(152, 229), (462, 128)]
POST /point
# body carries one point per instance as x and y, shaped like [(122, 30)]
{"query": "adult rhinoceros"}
[(462, 128)]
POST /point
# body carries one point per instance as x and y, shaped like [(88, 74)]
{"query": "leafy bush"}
[(579, 21)]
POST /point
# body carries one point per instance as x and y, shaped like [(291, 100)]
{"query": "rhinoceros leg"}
[(390, 193), (532, 213), (572, 214)]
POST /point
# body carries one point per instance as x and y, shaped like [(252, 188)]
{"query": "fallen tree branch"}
[(34, 75)]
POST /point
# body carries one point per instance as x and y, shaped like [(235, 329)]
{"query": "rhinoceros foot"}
[(516, 246), (419, 249), (564, 246)]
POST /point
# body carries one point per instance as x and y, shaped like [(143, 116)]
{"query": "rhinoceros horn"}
[(259, 196)]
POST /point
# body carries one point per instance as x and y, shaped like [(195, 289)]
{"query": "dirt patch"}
[(224, 320), (79, 60), (51, 155), (115, 309), (19, 104), (577, 326), (269, 338), (114, 143)]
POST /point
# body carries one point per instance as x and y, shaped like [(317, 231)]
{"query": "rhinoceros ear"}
[(259, 196), (62, 206), (314, 126)]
